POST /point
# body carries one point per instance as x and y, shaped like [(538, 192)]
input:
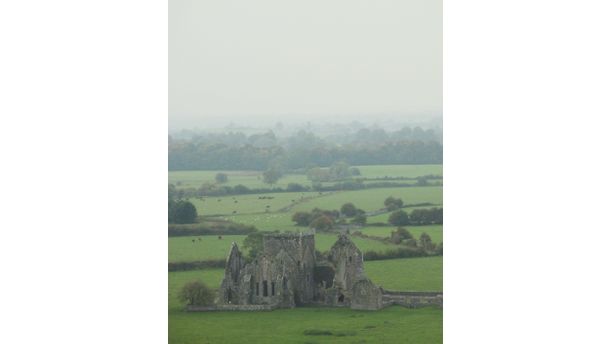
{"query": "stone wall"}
[(412, 299)]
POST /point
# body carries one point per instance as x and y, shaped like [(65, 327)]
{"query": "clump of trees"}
[(272, 175), (317, 218), (426, 216), (181, 212), (392, 203), (196, 293), (337, 171), (399, 218), (221, 178)]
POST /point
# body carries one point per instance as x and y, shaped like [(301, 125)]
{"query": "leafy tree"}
[(339, 171), (221, 178), (253, 243), (400, 234), (348, 210), (181, 212), (196, 293), (399, 218), (271, 176), (425, 242), (322, 222), (301, 218), (392, 203), (360, 219), (355, 171), (295, 187), (317, 174)]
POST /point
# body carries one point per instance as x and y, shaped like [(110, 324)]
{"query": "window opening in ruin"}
[(284, 283), (272, 288), (265, 288), (350, 259), (229, 294), (341, 298), (257, 288)]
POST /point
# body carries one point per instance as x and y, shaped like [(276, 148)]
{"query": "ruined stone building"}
[(287, 273)]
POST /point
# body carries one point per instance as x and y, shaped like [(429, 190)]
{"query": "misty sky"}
[(316, 59)]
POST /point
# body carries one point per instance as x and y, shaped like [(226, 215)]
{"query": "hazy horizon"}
[(272, 60)]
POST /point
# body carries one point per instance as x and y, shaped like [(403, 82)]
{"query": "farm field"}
[(183, 249), (434, 231), (373, 199), (252, 179), (393, 325), (416, 274), (249, 204)]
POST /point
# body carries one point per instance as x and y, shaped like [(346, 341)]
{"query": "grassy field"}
[(421, 274), (434, 231), (391, 325), (183, 249), (374, 199), (249, 204), (252, 179)]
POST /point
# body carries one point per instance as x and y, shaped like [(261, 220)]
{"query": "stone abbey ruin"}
[(287, 274)]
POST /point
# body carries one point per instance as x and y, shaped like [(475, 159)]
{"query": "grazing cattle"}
[(234, 212), (235, 201), (199, 239), (193, 241), (220, 237)]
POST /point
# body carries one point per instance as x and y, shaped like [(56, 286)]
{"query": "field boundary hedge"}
[(196, 265)]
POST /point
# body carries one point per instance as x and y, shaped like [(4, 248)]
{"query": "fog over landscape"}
[(240, 64)]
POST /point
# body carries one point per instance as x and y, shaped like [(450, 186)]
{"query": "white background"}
[(83, 108)]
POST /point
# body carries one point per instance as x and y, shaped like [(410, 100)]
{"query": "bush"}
[(400, 234), (196, 293), (348, 210), (181, 212), (271, 176), (392, 203), (221, 178), (425, 242), (426, 216), (295, 187), (399, 218), (322, 222), (301, 218), (360, 219)]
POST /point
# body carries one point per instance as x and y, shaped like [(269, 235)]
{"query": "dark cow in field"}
[(220, 237)]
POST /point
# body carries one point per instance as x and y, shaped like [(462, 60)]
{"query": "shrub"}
[(221, 178), (392, 203), (425, 242), (181, 212), (196, 293), (301, 218), (295, 187), (322, 222), (360, 219), (348, 210), (399, 218), (400, 234)]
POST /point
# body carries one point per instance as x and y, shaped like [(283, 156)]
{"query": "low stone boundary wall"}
[(412, 299), (245, 308)]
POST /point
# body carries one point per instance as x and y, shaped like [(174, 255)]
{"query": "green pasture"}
[(374, 199), (415, 274), (183, 249), (205, 247), (391, 325), (249, 204), (250, 179), (409, 171)]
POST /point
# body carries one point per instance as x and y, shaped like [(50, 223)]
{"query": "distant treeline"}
[(236, 151)]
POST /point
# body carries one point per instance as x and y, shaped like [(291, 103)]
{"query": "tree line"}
[(303, 150)]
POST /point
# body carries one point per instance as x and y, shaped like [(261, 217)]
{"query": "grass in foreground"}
[(416, 274)]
